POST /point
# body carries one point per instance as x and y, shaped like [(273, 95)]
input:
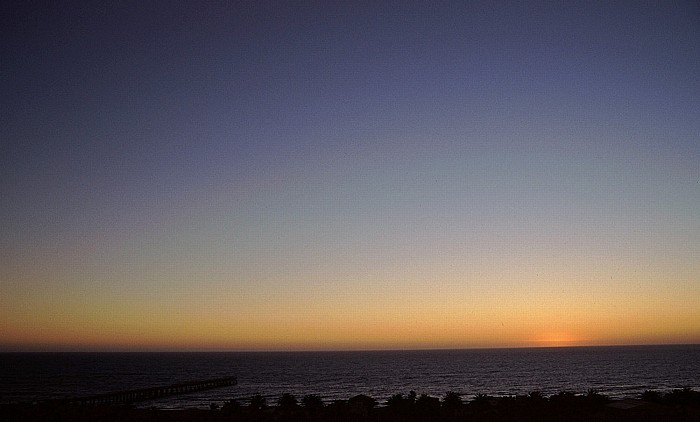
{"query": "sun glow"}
[(556, 339)]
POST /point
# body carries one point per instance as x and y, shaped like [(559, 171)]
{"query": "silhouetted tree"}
[(594, 398), (427, 407), (480, 400), (401, 407), (361, 406), (411, 398), (312, 402), (682, 397), (536, 397), (563, 395), (563, 398), (287, 402), (652, 396), (258, 402), (395, 401), (231, 407), (452, 400), (337, 410)]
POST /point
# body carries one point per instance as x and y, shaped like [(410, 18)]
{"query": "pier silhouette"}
[(151, 393)]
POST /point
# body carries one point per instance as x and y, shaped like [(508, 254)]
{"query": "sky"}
[(255, 175)]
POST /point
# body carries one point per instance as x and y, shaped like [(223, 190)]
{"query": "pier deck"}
[(143, 394)]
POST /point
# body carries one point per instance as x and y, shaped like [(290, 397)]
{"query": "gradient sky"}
[(253, 175)]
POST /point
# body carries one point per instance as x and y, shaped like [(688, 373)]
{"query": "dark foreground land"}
[(677, 405)]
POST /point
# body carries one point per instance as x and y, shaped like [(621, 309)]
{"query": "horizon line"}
[(292, 350)]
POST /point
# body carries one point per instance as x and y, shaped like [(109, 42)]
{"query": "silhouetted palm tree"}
[(427, 405), (312, 402), (452, 400), (287, 402)]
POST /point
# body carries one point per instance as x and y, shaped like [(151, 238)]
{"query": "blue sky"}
[(348, 162)]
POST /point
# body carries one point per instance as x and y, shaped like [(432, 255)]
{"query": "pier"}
[(143, 394)]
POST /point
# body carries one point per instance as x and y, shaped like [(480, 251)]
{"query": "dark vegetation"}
[(676, 405)]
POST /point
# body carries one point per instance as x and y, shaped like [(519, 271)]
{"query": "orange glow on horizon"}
[(557, 339), (375, 315)]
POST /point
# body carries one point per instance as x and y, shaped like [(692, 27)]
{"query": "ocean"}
[(624, 371)]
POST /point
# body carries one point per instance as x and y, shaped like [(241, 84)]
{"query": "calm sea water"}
[(615, 371)]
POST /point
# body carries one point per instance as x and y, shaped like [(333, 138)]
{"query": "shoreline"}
[(676, 405)]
